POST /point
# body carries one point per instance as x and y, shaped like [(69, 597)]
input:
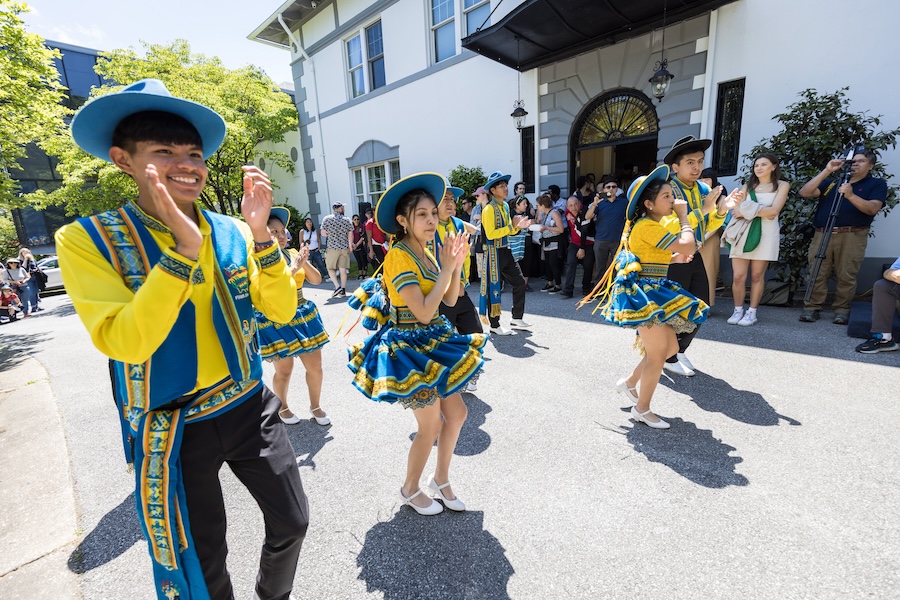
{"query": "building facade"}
[(393, 87)]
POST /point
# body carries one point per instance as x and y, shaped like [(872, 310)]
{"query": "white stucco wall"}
[(347, 9), (290, 187), (320, 25), (406, 39), (783, 48), (331, 77), (435, 127)]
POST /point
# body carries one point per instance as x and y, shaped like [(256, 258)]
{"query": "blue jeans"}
[(30, 296)]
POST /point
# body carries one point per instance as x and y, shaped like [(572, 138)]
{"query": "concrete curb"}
[(38, 520)]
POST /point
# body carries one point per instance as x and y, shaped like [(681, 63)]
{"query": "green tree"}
[(9, 239), (814, 130), (253, 107), (467, 178), (30, 95)]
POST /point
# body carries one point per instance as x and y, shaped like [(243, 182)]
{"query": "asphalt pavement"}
[(778, 479)]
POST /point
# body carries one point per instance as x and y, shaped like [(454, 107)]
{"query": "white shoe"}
[(471, 387), (748, 320), (320, 420), (519, 324), (679, 369), (641, 417), (630, 393), (736, 316), (499, 330), (291, 420), (433, 509), (456, 504), (685, 362)]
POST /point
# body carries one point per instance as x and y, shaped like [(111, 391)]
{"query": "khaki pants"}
[(712, 256), (843, 256)]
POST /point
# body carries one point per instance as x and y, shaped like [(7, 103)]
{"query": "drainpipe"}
[(707, 81), (296, 44)]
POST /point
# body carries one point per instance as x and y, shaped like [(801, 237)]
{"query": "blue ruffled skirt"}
[(304, 333), (415, 364), (645, 301)]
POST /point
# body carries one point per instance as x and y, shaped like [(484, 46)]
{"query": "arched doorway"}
[(615, 132)]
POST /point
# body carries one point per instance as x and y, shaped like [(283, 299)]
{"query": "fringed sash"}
[(489, 301)]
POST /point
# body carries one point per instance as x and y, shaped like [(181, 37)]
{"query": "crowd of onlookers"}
[(21, 281)]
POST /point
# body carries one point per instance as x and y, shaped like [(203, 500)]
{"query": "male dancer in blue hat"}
[(498, 258), (168, 292), (686, 162)]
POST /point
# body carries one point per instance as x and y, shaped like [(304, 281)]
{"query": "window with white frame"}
[(365, 60), (447, 30), (370, 181)]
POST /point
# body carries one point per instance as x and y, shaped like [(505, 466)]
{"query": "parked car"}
[(50, 266)]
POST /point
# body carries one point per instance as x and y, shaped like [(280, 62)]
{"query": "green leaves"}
[(253, 107), (815, 129), (30, 95)]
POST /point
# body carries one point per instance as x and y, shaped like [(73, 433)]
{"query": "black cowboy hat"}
[(686, 145)]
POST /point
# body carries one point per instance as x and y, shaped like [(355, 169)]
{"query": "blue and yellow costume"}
[(407, 361), (304, 333), (641, 295)]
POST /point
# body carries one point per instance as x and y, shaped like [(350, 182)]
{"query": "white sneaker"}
[(748, 320), (736, 316), (499, 330), (519, 324), (679, 369), (471, 387), (684, 361)]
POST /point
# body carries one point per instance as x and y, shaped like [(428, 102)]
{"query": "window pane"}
[(470, 3), (729, 111), (377, 182), (474, 18), (357, 178), (354, 52), (374, 40), (376, 73), (444, 42), (441, 10), (395, 171), (357, 86)]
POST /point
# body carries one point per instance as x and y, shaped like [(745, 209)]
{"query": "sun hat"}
[(14, 259), (495, 178), (457, 191), (686, 145), (386, 207), (281, 213), (94, 124), (480, 190), (640, 184)]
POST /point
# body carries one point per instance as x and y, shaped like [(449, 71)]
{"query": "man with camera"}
[(863, 197), (607, 211)]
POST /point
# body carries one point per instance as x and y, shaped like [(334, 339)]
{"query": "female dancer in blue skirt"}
[(641, 297), (303, 337), (417, 359)]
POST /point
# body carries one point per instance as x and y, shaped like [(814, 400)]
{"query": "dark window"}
[(727, 141), (528, 158), (376, 56)]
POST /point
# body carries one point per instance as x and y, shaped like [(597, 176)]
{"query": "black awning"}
[(540, 32)]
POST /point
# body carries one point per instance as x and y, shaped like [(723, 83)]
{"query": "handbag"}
[(754, 233)]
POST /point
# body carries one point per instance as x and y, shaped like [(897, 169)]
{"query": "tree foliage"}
[(814, 130), (30, 95), (9, 239), (253, 107), (467, 178)]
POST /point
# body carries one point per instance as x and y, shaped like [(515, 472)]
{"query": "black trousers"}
[(587, 264), (252, 440), (463, 316), (692, 277), (511, 273)]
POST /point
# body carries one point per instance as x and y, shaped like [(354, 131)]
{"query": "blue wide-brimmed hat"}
[(640, 184), (94, 124), (386, 207), (495, 178), (280, 213), (457, 191)]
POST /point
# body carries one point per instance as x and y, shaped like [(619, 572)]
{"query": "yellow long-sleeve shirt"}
[(445, 227), (707, 223), (488, 221), (130, 326)]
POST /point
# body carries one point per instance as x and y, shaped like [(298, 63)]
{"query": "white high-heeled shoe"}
[(630, 392), (641, 417), (427, 511), (326, 420), (455, 504)]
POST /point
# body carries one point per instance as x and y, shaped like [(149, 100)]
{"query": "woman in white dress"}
[(766, 188)]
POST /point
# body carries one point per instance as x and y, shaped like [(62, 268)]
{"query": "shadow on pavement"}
[(446, 556), (116, 532), (307, 437), (691, 452), (16, 345), (716, 395), (517, 346)]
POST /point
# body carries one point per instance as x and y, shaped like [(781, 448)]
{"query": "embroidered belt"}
[(656, 270)]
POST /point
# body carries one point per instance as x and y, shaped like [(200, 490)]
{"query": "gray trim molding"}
[(373, 151), (353, 24)]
